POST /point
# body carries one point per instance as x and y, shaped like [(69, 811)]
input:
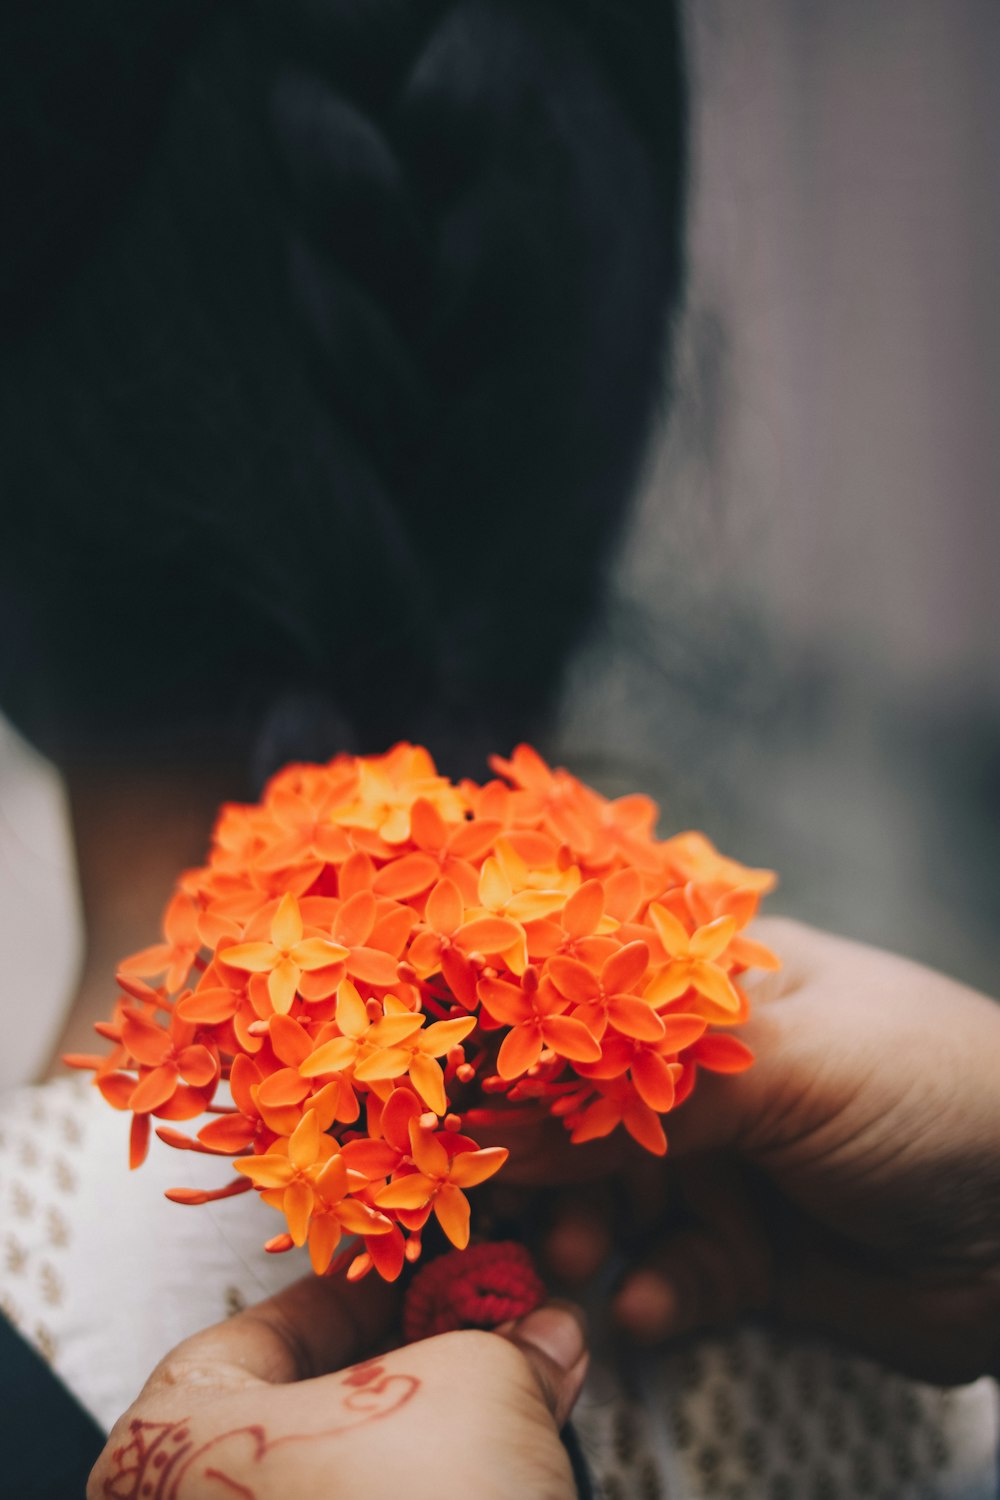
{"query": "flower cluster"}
[(375, 962)]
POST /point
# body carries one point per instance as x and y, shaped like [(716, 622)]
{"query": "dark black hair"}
[(332, 333)]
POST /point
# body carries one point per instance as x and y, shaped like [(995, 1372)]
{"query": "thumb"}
[(553, 1340), (314, 1326)]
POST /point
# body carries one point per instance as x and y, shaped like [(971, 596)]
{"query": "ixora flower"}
[(374, 961)]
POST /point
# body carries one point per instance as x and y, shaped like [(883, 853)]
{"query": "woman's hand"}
[(249, 1410), (848, 1182)]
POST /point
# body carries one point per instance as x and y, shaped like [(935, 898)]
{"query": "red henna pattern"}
[(160, 1455)]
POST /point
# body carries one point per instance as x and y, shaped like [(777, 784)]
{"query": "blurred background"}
[(802, 654)]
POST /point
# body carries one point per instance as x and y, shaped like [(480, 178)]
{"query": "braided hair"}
[(331, 334)]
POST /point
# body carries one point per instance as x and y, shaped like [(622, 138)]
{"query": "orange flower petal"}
[(469, 1168), (671, 932), (394, 1029), (283, 1087), (331, 1057), (713, 939), (531, 906), (623, 894), (317, 953), (282, 983), (197, 1066), (358, 1218), (298, 1205), (570, 1038), (406, 877), (505, 1002), (428, 1152), (634, 1017), (428, 1079), (753, 955), (623, 970), (412, 1191), (352, 1017), (722, 1054), (243, 1076), (116, 1088), (356, 919), (387, 1252), (196, 1196), (715, 985), (460, 977), (441, 1036), (252, 958), (154, 1090), (669, 984), (208, 1006), (427, 827), (324, 1237), (520, 1050), (488, 935), (388, 1062), (303, 1146), (286, 927), (148, 1043), (653, 1080), (138, 1143), (228, 1134), (291, 1042), (451, 1209), (332, 1183), (266, 1171), (445, 908), (372, 967), (596, 1121), (374, 1158), (645, 1126), (573, 979), (681, 1030), (584, 909)]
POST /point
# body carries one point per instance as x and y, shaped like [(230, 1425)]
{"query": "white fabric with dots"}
[(98, 1270), (754, 1416)]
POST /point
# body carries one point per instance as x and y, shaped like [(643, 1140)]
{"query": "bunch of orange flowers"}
[(375, 964)]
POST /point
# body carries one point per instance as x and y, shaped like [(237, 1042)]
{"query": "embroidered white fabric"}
[(103, 1275)]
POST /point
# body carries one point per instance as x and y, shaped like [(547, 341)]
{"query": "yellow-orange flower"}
[(439, 1179), (287, 956)]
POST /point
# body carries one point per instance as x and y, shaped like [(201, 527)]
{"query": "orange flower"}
[(443, 850), (372, 950), (443, 1168), (649, 1063), (168, 1059), (691, 963), (535, 1015), (605, 998), (286, 956), (618, 1103), (388, 1045), (353, 926), (306, 1178), (447, 941), (388, 786)]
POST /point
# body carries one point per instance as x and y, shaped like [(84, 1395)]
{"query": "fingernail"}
[(557, 1329)]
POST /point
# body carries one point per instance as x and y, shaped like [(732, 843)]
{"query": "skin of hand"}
[(849, 1182), (272, 1405)]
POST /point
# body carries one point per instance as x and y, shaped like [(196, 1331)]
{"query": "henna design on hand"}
[(159, 1456)]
